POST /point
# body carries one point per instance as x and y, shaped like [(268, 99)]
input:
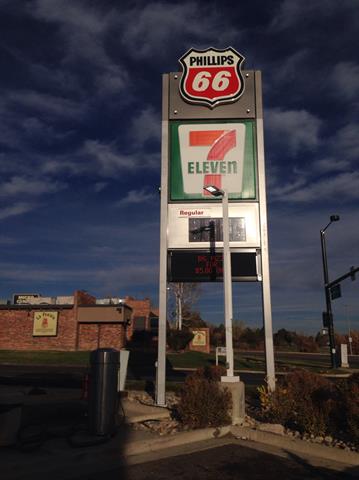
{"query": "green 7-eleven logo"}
[(212, 154)]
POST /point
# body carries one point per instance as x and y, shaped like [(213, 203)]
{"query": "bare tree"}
[(185, 295)]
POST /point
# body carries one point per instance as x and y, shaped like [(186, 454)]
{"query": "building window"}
[(139, 323), (154, 324)]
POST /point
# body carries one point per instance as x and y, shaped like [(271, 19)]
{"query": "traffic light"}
[(327, 318), (335, 292), (352, 273)]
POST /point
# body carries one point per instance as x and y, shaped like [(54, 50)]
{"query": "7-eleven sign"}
[(211, 154)]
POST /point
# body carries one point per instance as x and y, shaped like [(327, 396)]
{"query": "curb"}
[(147, 417), (168, 441), (295, 445), (262, 372), (243, 433)]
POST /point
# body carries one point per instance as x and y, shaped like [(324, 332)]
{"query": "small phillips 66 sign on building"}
[(211, 77)]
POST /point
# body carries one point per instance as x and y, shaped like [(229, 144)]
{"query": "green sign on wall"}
[(220, 153)]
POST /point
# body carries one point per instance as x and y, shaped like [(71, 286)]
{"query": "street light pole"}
[(329, 312), (227, 282)]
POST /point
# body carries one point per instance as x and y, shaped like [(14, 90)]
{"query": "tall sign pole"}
[(266, 296), (212, 134), (161, 360)]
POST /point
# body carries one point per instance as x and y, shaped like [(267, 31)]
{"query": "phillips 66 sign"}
[(212, 135), (211, 76)]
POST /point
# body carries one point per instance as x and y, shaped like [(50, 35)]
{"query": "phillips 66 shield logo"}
[(211, 77)]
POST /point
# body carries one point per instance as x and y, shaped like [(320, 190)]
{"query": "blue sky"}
[(80, 145)]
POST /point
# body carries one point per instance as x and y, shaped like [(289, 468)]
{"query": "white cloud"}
[(26, 186), (7, 241), (137, 197), (109, 279), (111, 82), (342, 187), (110, 161), (48, 104), (16, 209), (159, 25), (146, 126), (342, 156), (69, 13), (69, 165), (345, 80), (54, 77), (287, 189), (330, 165), (99, 186), (286, 70), (84, 28), (294, 129), (108, 158), (102, 159), (293, 12), (129, 274), (346, 142)]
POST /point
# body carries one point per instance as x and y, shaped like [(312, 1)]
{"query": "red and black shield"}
[(211, 77)]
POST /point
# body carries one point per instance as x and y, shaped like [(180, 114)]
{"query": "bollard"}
[(103, 397)]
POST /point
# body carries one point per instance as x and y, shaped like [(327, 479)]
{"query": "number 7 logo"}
[(212, 154)]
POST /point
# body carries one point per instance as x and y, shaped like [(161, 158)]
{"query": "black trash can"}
[(103, 396)]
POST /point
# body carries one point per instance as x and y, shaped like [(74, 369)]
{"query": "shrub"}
[(312, 404), (210, 373), (203, 402), (178, 339), (142, 339), (302, 401), (348, 407)]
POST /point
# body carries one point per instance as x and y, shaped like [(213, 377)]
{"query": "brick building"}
[(144, 316), (80, 324)]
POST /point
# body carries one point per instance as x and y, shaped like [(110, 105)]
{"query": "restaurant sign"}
[(45, 324)]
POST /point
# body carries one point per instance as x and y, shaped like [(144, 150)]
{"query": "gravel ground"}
[(171, 426)]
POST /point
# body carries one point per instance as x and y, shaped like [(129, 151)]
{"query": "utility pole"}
[(329, 312)]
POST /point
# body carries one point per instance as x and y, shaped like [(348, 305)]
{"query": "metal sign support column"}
[(266, 296), (162, 324)]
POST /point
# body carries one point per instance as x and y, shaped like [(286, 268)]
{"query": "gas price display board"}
[(200, 266)]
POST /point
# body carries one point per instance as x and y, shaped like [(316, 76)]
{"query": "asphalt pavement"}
[(229, 459), (221, 458), (55, 444)]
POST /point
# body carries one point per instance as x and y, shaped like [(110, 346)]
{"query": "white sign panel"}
[(212, 154), (201, 225)]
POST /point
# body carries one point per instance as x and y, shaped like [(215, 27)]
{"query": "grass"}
[(242, 361), (177, 360), (139, 359), (198, 359), (21, 357)]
